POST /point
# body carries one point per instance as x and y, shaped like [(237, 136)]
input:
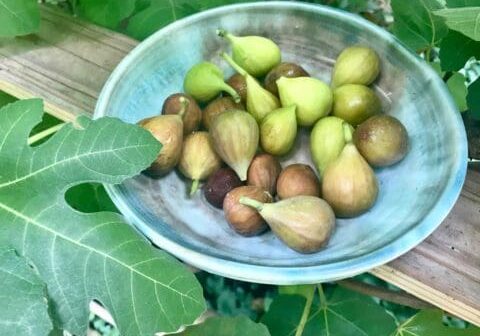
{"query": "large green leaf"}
[(462, 3), (226, 326), (473, 99), (465, 20), (24, 311), (108, 13), (458, 88), (19, 17), (415, 25), (456, 49), (87, 256)]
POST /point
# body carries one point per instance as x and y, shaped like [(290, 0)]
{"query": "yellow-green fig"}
[(355, 103), (356, 65), (256, 54), (303, 223), (285, 69), (204, 81), (327, 141), (198, 160), (235, 136), (278, 131), (260, 102), (312, 97)]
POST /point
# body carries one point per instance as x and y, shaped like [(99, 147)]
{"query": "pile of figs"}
[(232, 135)]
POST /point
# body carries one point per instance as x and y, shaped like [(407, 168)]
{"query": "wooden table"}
[(68, 62)]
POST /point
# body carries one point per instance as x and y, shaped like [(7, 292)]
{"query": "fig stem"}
[(251, 203), (221, 32), (347, 133), (44, 134), (194, 188), (234, 65), (185, 103), (231, 91)]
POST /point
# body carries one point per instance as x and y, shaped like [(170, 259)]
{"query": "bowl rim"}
[(289, 275)]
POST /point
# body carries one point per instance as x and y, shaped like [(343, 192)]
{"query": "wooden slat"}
[(443, 270)]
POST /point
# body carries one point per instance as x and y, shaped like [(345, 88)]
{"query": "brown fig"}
[(219, 184), (243, 219), (297, 179), (186, 107), (289, 70), (263, 172), (218, 106), (239, 84)]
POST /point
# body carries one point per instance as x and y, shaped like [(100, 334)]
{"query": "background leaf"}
[(87, 256), (465, 20), (90, 197), (19, 17), (24, 310), (456, 49), (226, 326), (108, 13), (462, 3), (473, 99), (458, 88)]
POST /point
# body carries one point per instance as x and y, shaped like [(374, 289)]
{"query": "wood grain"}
[(68, 62)]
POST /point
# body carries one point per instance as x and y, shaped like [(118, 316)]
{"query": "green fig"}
[(235, 136), (204, 81), (327, 141), (256, 54), (278, 130), (349, 184), (303, 223), (312, 96), (260, 102), (356, 65), (186, 107), (355, 103), (198, 160), (289, 70)]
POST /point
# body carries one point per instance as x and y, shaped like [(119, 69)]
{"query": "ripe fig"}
[(235, 137), (219, 184), (168, 130), (256, 54), (263, 172), (217, 106), (312, 97), (204, 81), (289, 70), (303, 223), (297, 180), (186, 107), (278, 130), (382, 140), (238, 83), (356, 65), (243, 219), (349, 184), (355, 103), (198, 160)]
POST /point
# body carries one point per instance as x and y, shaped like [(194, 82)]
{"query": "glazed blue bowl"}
[(415, 194)]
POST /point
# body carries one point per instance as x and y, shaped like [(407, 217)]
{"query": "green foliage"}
[(108, 13), (473, 99), (458, 89), (456, 49), (89, 197), (19, 17), (24, 310), (226, 326), (465, 20)]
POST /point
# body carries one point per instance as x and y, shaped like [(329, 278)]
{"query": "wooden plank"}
[(443, 270)]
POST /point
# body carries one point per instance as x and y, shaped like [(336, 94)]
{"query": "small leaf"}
[(284, 315), (107, 13), (24, 309), (226, 326), (19, 17), (456, 49), (473, 99), (465, 20), (458, 88)]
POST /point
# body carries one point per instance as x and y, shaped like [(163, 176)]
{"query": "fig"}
[(355, 103), (263, 172), (219, 184), (204, 81), (303, 223), (238, 83), (243, 219), (349, 184), (235, 137), (217, 106), (256, 54), (260, 102), (327, 141), (312, 97), (356, 65), (278, 130), (289, 70), (186, 107), (297, 180), (382, 140), (198, 160), (168, 130)]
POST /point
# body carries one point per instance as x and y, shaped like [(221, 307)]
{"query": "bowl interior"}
[(414, 196)]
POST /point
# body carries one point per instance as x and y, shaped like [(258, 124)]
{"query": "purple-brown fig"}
[(185, 106), (239, 84), (297, 180), (263, 172), (217, 106), (219, 184)]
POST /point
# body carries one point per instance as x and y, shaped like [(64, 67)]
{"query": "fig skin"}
[(297, 180), (219, 184), (239, 84), (217, 106), (184, 105), (242, 218), (356, 65), (382, 140), (355, 103), (285, 69), (263, 172)]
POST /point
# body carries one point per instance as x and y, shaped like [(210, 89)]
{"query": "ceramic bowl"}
[(415, 194)]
